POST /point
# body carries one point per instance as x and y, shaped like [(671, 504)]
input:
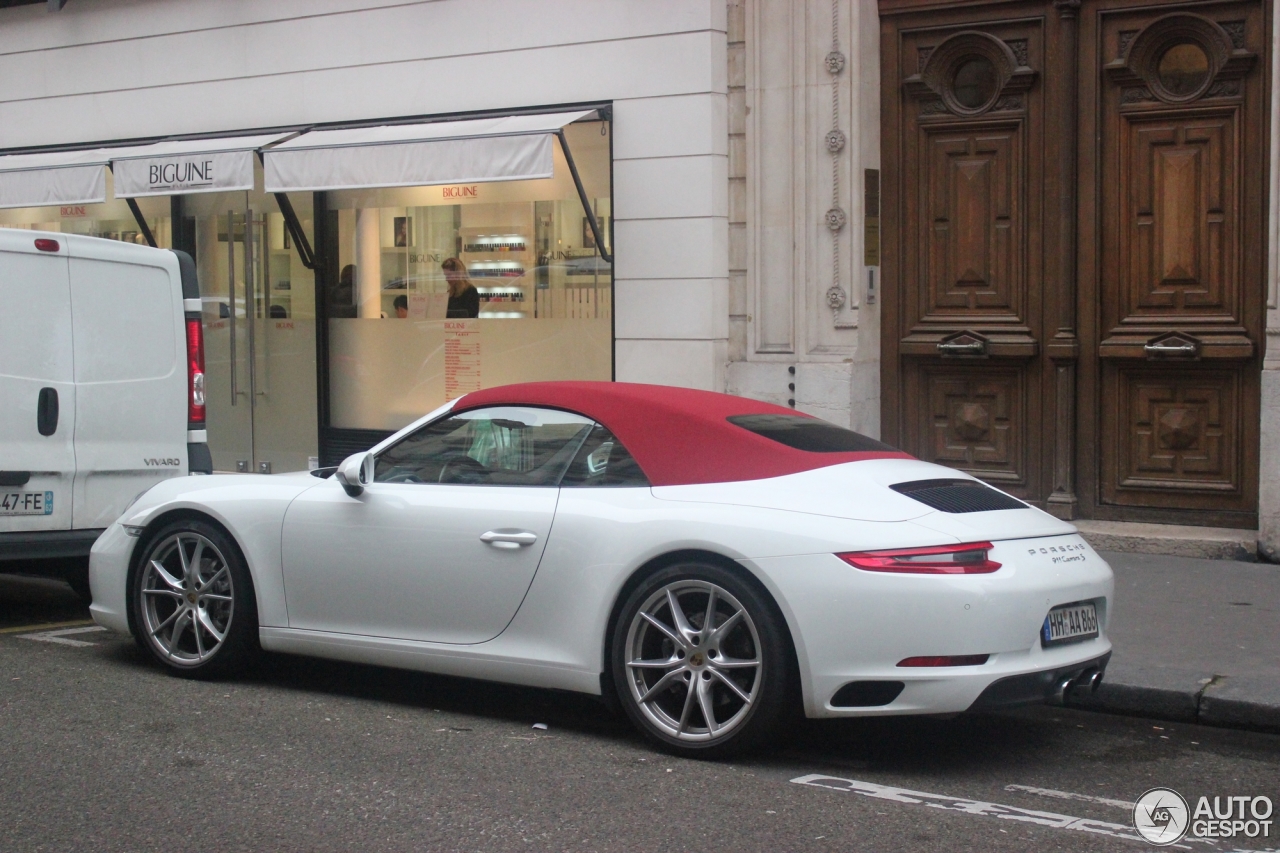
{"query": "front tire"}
[(192, 601), (701, 661)]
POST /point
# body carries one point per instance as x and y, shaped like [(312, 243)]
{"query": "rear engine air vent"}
[(867, 694), (957, 495)]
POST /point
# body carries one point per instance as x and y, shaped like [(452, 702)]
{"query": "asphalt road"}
[(102, 751)]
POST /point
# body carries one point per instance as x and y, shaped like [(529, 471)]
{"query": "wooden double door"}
[(1074, 249)]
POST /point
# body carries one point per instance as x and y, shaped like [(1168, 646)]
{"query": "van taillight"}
[(195, 372), (44, 244), (967, 559)]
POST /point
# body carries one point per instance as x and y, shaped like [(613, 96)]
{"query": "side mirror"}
[(355, 473)]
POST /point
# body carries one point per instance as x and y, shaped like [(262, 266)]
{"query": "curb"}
[(1251, 703), (1171, 540)]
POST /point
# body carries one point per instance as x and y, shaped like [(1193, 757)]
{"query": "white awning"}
[(189, 166), (511, 148), (56, 177)]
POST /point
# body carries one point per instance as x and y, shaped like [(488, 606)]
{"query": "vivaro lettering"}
[(169, 462)]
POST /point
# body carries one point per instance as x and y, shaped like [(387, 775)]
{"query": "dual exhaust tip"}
[(1090, 680)]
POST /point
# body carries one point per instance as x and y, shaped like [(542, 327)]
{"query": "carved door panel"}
[(965, 167), (1180, 266)]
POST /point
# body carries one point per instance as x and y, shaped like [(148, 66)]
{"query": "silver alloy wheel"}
[(693, 661), (187, 598)]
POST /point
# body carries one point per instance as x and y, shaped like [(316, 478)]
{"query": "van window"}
[(124, 315)]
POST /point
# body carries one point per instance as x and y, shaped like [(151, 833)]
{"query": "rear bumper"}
[(853, 626), (44, 544), (1034, 688), (199, 459)]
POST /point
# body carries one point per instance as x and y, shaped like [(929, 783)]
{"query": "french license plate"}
[(1070, 623), (26, 503)]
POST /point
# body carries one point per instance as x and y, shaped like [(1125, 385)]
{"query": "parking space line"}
[(982, 808), (1067, 795), (60, 637), (45, 625)]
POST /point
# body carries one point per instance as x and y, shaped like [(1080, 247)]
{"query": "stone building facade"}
[(909, 217)]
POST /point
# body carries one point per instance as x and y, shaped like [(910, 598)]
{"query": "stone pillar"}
[(804, 127), (1269, 458)]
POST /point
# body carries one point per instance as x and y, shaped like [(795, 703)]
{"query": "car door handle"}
[(47, 411), (509, 538)]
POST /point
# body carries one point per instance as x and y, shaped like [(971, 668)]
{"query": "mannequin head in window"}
[(455, 273), (401, 304)]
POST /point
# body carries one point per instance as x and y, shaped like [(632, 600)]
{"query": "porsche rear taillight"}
[(195, 373), (970, 558)]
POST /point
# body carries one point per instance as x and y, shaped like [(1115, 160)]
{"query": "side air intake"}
[(867, 694), (957, 495)]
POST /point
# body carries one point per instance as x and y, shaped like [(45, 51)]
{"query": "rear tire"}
[(696, 692), (192, 600)]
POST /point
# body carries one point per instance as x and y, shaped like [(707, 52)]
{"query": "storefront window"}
[(259, 315), (441, 290), (112, 220)]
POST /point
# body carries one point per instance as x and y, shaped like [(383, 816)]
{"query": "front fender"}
[(250, 508)]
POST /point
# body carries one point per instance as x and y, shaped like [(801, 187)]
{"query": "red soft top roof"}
[(678, 436)]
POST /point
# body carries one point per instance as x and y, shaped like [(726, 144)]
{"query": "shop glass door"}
[(259, 325)]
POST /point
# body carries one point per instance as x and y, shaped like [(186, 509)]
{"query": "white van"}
[(101, 390)]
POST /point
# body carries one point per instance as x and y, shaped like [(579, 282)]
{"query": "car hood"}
[(860, 491)]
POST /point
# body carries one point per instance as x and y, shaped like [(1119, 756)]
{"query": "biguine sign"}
[(188, 173)]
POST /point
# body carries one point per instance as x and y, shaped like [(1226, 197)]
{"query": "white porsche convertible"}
[(707, 558)]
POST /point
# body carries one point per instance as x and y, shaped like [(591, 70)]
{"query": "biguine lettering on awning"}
[(184, 166), (510, 148), (170, 167)]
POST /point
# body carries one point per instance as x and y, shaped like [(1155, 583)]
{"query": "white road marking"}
[(60, 637), (974, 807), (1067, 795), (986, 809)]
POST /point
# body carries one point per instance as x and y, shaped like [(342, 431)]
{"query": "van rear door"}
[(37, 394), (131, 374)]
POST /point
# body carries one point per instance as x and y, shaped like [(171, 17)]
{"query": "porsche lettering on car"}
[(706, 559)]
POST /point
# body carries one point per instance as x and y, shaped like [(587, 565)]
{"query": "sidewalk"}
[(1194, 641)]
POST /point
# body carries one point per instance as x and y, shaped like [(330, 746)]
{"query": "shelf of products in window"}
[(495, 269), (495, 243), (496, 294)]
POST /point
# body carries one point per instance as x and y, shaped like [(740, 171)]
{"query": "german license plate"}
[(26, 503), (1070, 623)]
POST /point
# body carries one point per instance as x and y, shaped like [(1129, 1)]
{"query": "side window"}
[(497, 446), (603, 461)]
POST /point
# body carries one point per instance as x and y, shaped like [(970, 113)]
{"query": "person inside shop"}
[(342, 302), (464, 299), (401, 304)]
